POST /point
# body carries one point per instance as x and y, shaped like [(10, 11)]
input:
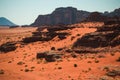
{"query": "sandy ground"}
[(84, 67)]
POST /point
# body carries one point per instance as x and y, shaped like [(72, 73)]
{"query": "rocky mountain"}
[(61, 15), (6, 22), (70, 15)]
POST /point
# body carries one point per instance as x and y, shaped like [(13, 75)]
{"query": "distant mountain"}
[(61, 15), (6, 22), (70, 15)]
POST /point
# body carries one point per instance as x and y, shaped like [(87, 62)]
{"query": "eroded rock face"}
[(9, 46), (103, 37), (61, 15), (71, 15)]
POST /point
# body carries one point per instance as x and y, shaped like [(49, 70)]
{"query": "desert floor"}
[(83, 67)]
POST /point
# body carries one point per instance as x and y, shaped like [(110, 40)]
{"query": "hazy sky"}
[(26, 11)]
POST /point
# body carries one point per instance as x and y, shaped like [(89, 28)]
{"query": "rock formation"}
[(108, 35), (71, 15), (61, 15)]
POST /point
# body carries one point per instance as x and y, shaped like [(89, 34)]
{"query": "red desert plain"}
[(53, 53)]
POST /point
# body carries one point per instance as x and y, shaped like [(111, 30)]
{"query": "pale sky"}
[(23, 12)]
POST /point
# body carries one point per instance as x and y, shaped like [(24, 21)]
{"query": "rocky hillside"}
[(106, 36), (71, 15)]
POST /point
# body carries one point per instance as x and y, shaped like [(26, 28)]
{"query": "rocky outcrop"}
[(61, 15), (9, 46), (49, 56), (108, 35), (51, 32)]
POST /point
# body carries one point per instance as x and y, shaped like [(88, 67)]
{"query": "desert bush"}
[(75, 65), (96, 61), (27, 70), (59, 67), (2, 71), (32, 67), (89, 62), (9, 61), (20, 63)]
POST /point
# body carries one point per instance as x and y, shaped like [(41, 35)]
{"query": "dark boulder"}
[(9, 46), (40, 55), (49, 56), (32, 39)]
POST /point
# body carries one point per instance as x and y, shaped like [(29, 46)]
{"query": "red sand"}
[(87, 68)]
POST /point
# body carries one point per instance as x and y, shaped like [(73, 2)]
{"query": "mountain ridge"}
[(70, 15)]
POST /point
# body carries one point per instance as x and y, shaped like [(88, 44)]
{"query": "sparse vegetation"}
[(75, 65), (27, 70), (20, 63), (9, 61), (32, 67), (21, 69), (59, 67), (89, 69), (96, 61), (2, 71), (106, 68), (26, 65), (78, 34), (89, 62)]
